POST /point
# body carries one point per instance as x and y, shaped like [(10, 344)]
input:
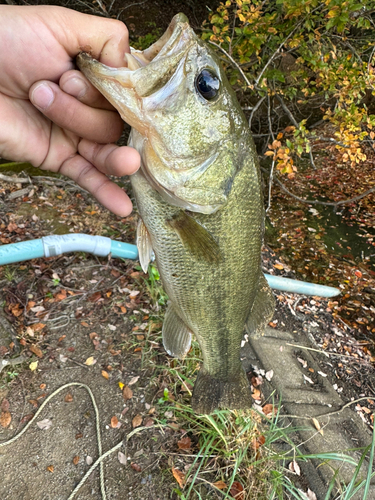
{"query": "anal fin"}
[(262, 310), (176, 335), (144, 245)]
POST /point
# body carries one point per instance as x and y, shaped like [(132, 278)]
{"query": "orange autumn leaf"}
[(68, 398), (179, 477), (256, 394), (278, 266), (114, 422), (5, 419), (50, 468), (76, 460), (268, 409), (220, 485), (105, 374)]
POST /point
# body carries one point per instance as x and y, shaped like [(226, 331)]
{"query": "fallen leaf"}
[(179, 477), (256, 394), (237, 491), (84, 323), (33, 366), (137, 421), (105, 374), (133, 380), (268, 409), (50, 468), (42, 386), (121, 458), (317, 426), (127, 393), (79, 435), (90, 361), (294, 467), (36, 350), (114, 422), (278, 266), (75, 460), (258, 442), (5, 419), (220, 485), (37, 327), (5, 405), (27, 418), (44, 424), (121, 385), (68, 398), (148, 422), (269, 375), (61, 338), (184, 443), (136, 467), (311, 495)]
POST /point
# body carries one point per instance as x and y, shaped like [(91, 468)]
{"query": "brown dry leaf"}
[(27, 418), (127, 393), (179, 477), (268, 409), (317, 426), (30, 304), (237, 491), (278, 266), (137, 421), (184, 443), (256, 394), (43, 386), (95, 297), (84, 323), (68, 398), (136, 467), (5, 405), (36, 350), (76, 460), (114, 422), (92, 335), (5, 419), (105, 374), (50, 468), (258, 442), (38, 327), (79, 435), (220, 485)]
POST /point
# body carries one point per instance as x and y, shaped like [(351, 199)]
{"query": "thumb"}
[(105, 39)]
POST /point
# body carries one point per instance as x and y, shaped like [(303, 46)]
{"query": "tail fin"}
[(211, 393)]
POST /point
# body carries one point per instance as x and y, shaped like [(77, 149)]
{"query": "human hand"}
[(50, 114)]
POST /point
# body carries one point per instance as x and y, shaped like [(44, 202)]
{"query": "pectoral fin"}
[(144, 245), (195, 237), (176, 335), (263, 308)]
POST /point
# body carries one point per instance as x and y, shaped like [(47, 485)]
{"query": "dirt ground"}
[(97, 322)]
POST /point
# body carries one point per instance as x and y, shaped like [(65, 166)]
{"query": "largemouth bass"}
[(199, 198)]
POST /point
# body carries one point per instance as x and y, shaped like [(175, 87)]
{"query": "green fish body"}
[(199, 197)]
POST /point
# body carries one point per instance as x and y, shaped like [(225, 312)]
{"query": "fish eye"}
[(207, 84)]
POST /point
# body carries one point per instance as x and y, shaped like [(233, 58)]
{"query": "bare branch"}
[(255, 108), (233, 62)]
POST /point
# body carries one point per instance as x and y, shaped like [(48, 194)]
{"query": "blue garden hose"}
[(50, 246)]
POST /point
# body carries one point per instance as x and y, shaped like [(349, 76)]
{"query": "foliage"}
[(299, 56)]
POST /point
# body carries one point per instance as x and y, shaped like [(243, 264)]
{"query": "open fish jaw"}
[(199, 197)]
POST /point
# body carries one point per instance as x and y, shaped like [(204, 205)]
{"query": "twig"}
[(233, 62), (17, 180), (255, 108), (342, 408)]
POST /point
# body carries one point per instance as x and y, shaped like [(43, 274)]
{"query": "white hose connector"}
[(76, 242)]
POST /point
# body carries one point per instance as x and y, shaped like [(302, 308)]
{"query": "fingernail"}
[(76, 87), (42, 96)]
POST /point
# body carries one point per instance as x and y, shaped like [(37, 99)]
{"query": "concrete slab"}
[(305, 393)]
